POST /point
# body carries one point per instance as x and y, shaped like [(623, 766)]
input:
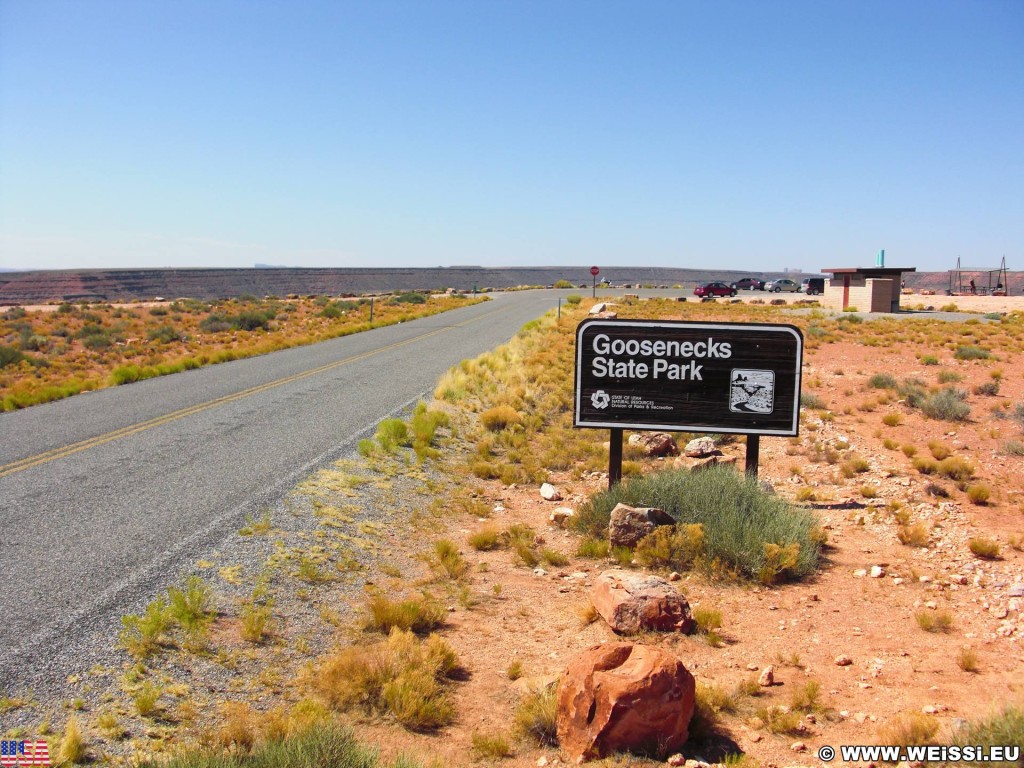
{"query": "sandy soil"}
[(897, 668)]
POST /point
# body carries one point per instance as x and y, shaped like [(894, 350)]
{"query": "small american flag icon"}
[(19, 753)]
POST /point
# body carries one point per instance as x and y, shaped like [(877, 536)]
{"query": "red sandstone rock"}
[(636, 602), (619, 697)]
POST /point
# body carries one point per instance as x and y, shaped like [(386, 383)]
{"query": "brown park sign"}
[(697, 377)]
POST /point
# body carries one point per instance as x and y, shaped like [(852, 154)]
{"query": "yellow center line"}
[(132, 429)]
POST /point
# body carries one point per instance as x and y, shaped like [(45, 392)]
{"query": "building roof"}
[(870, 270)]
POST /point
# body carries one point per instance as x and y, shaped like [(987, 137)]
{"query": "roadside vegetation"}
[(359, 621), (61, 351)]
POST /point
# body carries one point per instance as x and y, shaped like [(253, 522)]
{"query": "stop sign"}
[(595, 271)]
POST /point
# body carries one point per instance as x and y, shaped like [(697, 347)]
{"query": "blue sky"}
[(754, 135)]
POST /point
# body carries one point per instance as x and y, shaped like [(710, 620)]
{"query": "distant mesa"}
[(35, 287)]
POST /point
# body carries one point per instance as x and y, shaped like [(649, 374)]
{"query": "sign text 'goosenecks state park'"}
[(705, 377)]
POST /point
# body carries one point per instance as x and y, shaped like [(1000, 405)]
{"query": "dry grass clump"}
[(534, 718), (500, 417), (805, 697), (914, 729), (985, 548), (485, 539), (402, 675), (447, 561), (939, 450), (490, 746), (967, 659), (418, 614), (979, 493), (934, 621), (671, 546), (916, 535), (709, 621), (72, 745), (593, 547), (956, 468), (779, 720)]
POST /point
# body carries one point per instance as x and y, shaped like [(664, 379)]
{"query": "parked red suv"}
[(710, 290)]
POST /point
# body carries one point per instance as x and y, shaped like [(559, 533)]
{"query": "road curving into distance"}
[(107, 496)]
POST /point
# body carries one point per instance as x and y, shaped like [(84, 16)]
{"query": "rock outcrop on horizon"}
[(43, 286)]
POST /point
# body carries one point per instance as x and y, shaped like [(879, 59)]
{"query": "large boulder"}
[(630, 524), (637, 602), (655, 443), (620, 697), (700, 447)]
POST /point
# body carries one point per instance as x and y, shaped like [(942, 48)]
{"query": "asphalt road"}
[(105, 497)]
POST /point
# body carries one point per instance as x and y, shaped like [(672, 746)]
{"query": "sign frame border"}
[(762, 327)]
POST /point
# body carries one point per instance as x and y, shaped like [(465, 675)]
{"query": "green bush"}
[(9, 356), (912, 391), (573, 298), (947, 405), (1005, 728), (392, 434), (746, 530), (410, 297), (970, 352), (882, 381)]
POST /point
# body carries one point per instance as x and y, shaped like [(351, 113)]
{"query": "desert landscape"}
[(907, 629)]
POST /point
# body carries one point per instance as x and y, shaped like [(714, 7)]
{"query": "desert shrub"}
[(392, 434), (912, 391), (10, 356), (671, 546), (1012, 448), (970, 352), (939, 450), (141, 635), (1004, 727), (190, 604), (745, 528), (987, 389), (498, 418), (882, 381), (409, 297), (929, 360), (967, 660), (947, 405), (215, 322), (892, 419), (573, 299), (165, 334), (1018, 414), (812, 401)]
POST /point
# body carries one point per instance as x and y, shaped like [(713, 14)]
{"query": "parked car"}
[(813, 285), (710, 290), (749, 284), (784, 284)]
